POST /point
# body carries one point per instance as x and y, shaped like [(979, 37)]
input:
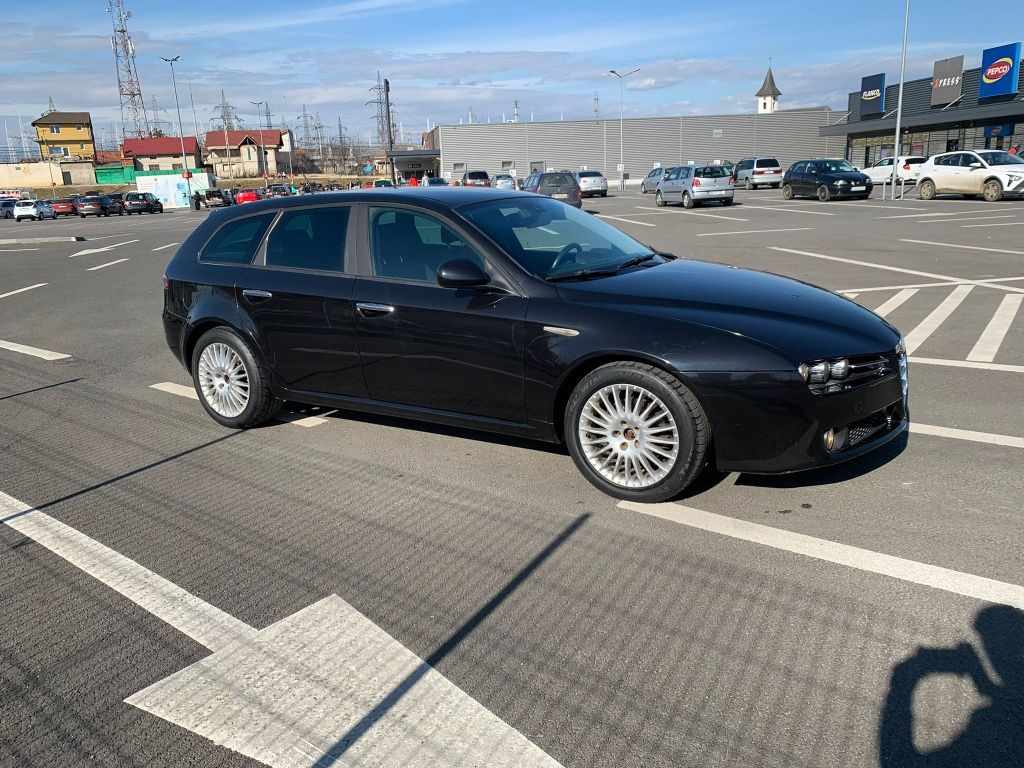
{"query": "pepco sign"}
[(1000, 71)]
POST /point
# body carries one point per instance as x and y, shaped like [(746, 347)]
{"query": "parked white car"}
[(33, 209), (907, 169), (991, 173), (754, 172)]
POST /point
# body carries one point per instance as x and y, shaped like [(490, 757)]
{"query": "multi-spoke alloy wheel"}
[(629, 436), (223, 379)]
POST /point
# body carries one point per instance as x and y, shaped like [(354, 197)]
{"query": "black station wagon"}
[(514, 313)]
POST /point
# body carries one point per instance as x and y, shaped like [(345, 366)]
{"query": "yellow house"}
[(65, 135)]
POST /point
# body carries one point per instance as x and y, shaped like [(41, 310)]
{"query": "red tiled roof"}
[(271, 137), (164, 145), (106, 156)]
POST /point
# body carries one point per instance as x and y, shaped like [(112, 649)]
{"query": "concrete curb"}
[(29, 240)]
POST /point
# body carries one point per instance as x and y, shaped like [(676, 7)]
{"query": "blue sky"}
[(444, 57)]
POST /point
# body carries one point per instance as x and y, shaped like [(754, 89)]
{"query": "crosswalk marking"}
[(988, 344), (895, 301), (927, 327)]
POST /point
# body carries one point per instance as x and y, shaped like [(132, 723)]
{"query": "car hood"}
[(800, 321), (854, 177)]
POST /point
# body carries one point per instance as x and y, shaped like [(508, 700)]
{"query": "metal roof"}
[(769, 88)]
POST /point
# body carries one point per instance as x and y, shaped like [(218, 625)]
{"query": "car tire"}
[(643, 190), (18, 219), (823, 194), (687, 200), (81, 215), (216, 351), (747, 184), (775, 185), (787, 192), (659, 200), (926, 190), (727, 201), (993, 191), (678, 419), (604, 194)]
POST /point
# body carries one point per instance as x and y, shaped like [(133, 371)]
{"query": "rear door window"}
[(312, 238), (236, 242), (767, 162)]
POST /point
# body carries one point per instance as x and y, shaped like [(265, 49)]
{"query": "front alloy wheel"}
[(926, 190), (993, 191), (823, 194), (787, 192)]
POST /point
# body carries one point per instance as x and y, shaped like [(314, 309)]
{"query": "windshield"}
[(556, 179), (538, 233), (999, 157), (835, 166)]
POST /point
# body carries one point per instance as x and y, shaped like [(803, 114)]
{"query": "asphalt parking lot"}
[(175, 593)]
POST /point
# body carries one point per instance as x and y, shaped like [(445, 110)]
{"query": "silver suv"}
[(694, 184), (754, 172)]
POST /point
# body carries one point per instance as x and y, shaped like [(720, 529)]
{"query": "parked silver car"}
[(592, 183), (754, 172), (650, 181), (33, 209), (504, 181), (695, 184)]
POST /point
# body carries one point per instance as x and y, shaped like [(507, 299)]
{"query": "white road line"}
[(183, 611), (789, 210), (966, 434), (964, 247), (956, 281), (952, 280), (895, 301), (985, 349), (16, 250), (323, 686), (966, 218), (923, 215), (628, 221), (968, 364), (299, 420), (1007, 224), (175, 389), (911, 571), (34, 351), (871, 205), (162, 247), (937, 317), (110, 247), (22, 290), (108, 264), (696, 213), (849, 295), (286, 416), (754, 231)]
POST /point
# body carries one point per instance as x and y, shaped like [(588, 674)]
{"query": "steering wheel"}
[(563, 255)]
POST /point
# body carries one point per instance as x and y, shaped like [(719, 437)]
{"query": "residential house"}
[(162, 153), (236, 154), (67, 135)]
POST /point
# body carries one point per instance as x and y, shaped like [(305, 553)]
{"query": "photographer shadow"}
[(994, 737)]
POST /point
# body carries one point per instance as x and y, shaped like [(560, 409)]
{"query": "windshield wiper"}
[(582, 274), (635, 261)]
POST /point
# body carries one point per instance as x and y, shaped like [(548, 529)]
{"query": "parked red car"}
[(246, 196), (63, 207)]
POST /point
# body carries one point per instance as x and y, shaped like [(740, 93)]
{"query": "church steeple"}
[(768, 96)]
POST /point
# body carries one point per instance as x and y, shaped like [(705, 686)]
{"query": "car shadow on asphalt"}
[(39, 389), (994, 735)]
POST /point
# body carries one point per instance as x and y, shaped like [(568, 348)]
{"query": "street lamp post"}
[(181, 133), (899, 102), (263, 151), (622, 157)]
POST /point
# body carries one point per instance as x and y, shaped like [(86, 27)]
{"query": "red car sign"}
[(998, 70)]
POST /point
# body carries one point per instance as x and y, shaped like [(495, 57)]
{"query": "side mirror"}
[(977, 165), (461, 273), (814, 171)]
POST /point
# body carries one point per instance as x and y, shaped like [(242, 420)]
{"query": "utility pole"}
[(622, 157), (263, 151), (195, 120), (515, 111), (390, 130), (898, 147)]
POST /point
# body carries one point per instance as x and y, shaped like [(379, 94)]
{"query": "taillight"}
[(487, 183), (906, 166), (167, 283), (732, 180), (696, 182)]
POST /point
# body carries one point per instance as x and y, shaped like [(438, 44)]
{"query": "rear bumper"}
[(704, 194), (768, 178)]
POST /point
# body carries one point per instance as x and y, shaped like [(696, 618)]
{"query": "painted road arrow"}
[(87, 251)]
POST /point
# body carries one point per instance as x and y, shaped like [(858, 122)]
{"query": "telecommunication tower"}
[(381, 102), (134, 121)]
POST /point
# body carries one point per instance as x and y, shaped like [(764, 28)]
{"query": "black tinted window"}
[(236, 242), (477, 175), (313, 238), (711, 172), (411, 246), (590, 174), (767, 162)]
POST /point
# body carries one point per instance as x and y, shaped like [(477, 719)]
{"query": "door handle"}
[(369, 309), (255, 295)]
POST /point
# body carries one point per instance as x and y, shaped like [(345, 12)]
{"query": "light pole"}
[(899, 102), (263, 151), (181, 133), (622, 157)]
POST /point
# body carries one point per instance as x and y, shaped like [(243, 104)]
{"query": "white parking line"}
[(162, 247), (45, 354), (696, 213), (110, 247), (934, 576), (991, 338), (324, 686), (286, 416), (923, 215), (968, 364), (870, 205), (22, 290), (966, 434), (108, 264), (849, 295), (789, 210), (628, 221), (300, 420), (1007, 224), (175, 389), (895, 301), (964, 247), (937, 317), (966, 218), (951, 281), (754, 231), (16, 250)]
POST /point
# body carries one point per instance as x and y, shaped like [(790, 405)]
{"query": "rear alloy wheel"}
[(823, 194), (747, 184), (658, 199), (636, 432), (687, 200), (993, 191), (787, 192), (926, 190), (232, 386)]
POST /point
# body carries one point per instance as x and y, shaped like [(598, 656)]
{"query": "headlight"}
[(819, 373), (839, 369), (841, 182), (823, 371), (901, 347)]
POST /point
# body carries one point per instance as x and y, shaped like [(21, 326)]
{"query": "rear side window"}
[(236, 242), (767, 162), (477, 175), (914, 160), (313, 238)]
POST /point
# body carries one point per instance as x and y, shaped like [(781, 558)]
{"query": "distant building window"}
[(56, 150), (459, 167), (81, 145), (152, 167), (79, 127), (507, 165), (177, 167), (54, 128)]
